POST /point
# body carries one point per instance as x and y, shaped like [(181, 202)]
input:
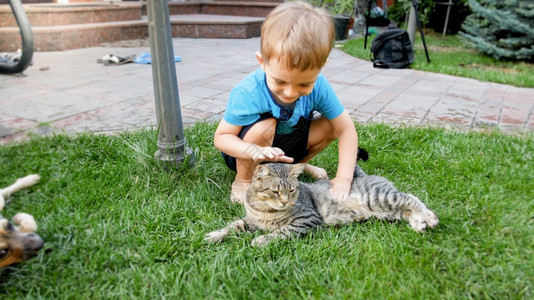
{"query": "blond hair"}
[(297, 35)]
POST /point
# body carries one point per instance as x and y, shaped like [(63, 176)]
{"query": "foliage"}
[(401, 9), (336, 7), (501, 29), (431, 13), (119, 225), (449, 55)]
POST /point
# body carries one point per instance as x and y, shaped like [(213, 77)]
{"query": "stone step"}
[(273, 1), (215, 26), (65, 37), (72, 26), (232, 8), (52, 14)]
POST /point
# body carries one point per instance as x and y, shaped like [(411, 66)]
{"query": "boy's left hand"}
[(340, 189)]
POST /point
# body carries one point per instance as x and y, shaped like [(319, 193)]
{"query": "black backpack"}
[(392, 49)]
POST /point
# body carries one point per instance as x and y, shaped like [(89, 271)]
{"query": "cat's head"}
[(276, 185)]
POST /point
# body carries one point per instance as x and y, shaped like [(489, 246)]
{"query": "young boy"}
[(270, 114)]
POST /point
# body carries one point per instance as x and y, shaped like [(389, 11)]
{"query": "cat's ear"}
[(297, 169), (261, 170)]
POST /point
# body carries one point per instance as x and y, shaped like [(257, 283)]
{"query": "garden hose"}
[(27, 40)]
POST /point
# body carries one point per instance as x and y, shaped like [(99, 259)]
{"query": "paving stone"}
[(489, 112), (454, 110), (195, 114), (495, 94), (6, 131), (513, 114), (410, 105), (380, 80), (396, 119), (208, 105)]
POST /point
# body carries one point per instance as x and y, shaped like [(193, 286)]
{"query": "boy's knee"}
[(324, 129), (262, 133)]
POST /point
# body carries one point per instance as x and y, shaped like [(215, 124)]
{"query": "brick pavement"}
[(69, 92)]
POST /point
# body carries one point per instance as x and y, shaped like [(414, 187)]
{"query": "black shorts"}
[(294, 144)]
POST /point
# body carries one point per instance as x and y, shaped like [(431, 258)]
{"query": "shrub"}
[(501, 29), (401, 9)]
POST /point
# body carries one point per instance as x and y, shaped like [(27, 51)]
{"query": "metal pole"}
[(367, 19), (27, 40), (415, 5), (171, 139), (411, 24), (447, 17)]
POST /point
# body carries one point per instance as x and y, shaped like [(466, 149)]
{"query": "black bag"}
[(392, 49)]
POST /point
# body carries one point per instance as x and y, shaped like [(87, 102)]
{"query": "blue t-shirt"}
[(251, 98)]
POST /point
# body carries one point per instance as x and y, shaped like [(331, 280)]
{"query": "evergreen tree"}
[(503, 29)]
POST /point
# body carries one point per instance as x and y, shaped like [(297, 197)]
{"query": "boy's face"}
[(288, 85)]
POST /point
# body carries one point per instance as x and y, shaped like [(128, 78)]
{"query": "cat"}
[(278, 203)]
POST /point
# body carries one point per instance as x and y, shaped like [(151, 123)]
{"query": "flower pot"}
[(342, 24)]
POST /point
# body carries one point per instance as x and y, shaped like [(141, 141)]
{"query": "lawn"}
[(119, 225), (449, 55)]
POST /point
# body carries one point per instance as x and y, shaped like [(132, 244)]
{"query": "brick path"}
[(69, 92)]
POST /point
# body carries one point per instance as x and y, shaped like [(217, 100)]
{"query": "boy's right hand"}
[(270, 154)]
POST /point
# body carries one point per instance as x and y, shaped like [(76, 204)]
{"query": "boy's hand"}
[(340, 189), (270, 154)]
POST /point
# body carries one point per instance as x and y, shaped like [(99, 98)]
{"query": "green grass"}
[(448, 55), (119, 225)]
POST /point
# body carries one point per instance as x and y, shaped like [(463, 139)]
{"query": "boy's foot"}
[(239, 190), (315, 172)]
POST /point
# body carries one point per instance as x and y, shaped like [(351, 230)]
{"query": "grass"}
[(119, 225), (448, 55)]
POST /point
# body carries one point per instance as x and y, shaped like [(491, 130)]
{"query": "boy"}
[(269, 116)]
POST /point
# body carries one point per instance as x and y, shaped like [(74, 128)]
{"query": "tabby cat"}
[(278, 203)]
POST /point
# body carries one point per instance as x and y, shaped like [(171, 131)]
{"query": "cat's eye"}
[(291, 192), (277, 193)]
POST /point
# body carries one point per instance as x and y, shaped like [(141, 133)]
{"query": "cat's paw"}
[(418, 223), (261, 241), (216, 236), (430, 218), (421, 221)]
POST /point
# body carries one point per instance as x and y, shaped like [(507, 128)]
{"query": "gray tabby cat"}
[(278, 203)]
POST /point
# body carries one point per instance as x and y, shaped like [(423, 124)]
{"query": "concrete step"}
[(215, 26), (72, 26), (231, 8), (71, 14), (65, 37), (274, 1)]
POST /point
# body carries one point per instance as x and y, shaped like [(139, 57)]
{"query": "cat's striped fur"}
[(278, 203)]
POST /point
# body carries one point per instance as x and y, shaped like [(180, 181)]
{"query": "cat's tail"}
[(362, 155)]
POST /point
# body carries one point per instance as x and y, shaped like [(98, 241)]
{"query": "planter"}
[(343, 24)]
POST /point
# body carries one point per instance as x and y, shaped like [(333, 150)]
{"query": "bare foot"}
[(239, 190)]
